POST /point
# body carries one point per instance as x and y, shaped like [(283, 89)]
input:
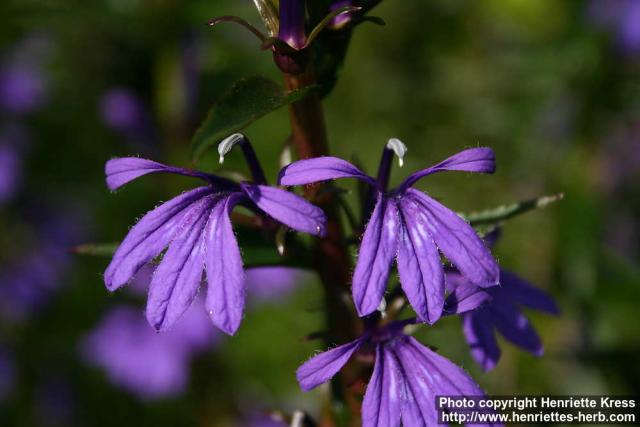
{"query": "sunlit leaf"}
[(248, 100)]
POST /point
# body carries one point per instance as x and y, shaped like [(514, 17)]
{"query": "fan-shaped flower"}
[(501, 312), (196, 228), (411, 227), (406, 378)]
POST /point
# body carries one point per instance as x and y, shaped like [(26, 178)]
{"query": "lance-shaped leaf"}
[(246, 101), (505, 212)]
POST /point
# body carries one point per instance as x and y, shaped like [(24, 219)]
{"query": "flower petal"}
[(377, 251), (120, 171), (428, 374), (288, 208), (481, 160), (464, 296), (150, 236), (321, 368), (320, 169), (478, 331), (381, 404), (177, 279), (225, 276), (419, 266), (515, 326), (457, 240), (519, 290)]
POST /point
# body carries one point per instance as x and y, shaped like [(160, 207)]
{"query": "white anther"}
[(398, 148), (228, 143)]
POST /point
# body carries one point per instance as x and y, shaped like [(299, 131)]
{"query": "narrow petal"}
[(120, 171), (321, 368), (428, 375), (465, 297), (319, 169), (515, 326), (457, 240), (478, 331), (381, 404), (481, 160), (150, 236), (519, 290), (177, 279), (377, 251), (421, 273), (288, 208), (225, 276)]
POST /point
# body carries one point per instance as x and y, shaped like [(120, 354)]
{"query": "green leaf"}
[(246, 101), (96, 249), (505, 212)]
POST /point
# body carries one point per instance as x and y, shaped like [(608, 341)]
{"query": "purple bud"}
[(291, 29)]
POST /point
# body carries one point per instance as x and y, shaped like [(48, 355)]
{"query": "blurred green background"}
[(552, 86)]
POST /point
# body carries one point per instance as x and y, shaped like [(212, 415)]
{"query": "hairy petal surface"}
[(480, 160), (320, 169), (288, 208), (427, 375), (177, 279), (150, 236), (321, 368), (478, 331), (381, 404), (377, 252), (223, 263), (457, 240), (120, 171), (419, 266)]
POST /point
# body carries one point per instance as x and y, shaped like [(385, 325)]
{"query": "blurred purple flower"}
[(22, 88), (620, 17), (192, 225), (406, 378), (408, 225), (34, 275), (501, 312), (10, 171), (273, 283), (124, 112), (23, 80), (142, 361), (7, 373)]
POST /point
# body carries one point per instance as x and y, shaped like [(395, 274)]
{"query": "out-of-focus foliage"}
[(552, 86)]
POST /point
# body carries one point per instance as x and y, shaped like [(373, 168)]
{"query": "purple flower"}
[(146, 363), (10, 172), (501, 312), (273, 283), (22, 89), (406, 378), (122, 111), (196, 228), (621, 17), (411, 227)]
